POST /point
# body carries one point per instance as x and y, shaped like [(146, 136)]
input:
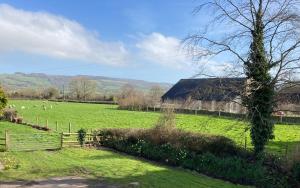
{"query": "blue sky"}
[(136, 39)]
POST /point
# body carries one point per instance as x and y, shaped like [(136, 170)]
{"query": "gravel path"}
[(64, 182)]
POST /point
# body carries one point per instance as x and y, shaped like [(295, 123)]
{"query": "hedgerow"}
[(216, 156)]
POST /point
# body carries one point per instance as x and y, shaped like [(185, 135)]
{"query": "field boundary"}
[(70, 139), (87, 102), (277, 119)]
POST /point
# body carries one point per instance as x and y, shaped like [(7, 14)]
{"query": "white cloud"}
[(164, 50), (55, 36)]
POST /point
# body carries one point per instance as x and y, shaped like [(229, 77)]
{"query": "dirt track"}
[(64, 182)]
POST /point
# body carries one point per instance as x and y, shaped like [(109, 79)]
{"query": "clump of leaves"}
[(81, 136), (3, 100)]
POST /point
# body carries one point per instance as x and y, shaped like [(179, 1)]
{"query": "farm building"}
[(212, 94), (223, 94), (289, 99)]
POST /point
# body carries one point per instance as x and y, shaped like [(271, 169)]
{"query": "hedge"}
[(215, 156)]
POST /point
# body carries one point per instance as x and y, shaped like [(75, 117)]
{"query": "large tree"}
[(154, 95), (82, 88), (262, 38)]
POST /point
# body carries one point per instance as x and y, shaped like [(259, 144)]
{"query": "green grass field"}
[(95, 116), (114, 167), (94, 164)]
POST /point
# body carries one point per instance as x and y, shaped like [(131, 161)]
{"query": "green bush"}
[(3, 100), (81, 136), (9, 114), (195, 142), (212, 155), (296, 171)]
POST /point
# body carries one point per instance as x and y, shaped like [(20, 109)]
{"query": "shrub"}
[(296, 171), (18, 120), (216, 156), (81, 136), (194, 142), (9, 114), (131, 99), (167, 119), (3, 100)]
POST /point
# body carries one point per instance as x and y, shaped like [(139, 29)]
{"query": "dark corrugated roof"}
[(218, 89)]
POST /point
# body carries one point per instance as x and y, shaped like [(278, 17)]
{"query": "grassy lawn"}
[(98, 164), (93, 116), (94, 164), (25, 137)]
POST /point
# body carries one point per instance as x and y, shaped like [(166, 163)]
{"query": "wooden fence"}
[(70, 139), (277, 119)]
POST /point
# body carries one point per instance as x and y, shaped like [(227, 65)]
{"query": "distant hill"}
[(106, 85)]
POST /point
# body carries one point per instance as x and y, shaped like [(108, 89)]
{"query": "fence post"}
[(37, 120), (70, 127), (47, 123), (6, 140), (56, 126), (286, 151), (245, 135), (61, 140)]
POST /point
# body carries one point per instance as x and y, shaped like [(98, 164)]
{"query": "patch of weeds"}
[(9, 162)]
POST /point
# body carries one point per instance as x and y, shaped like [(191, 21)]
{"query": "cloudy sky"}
[(137, 39)]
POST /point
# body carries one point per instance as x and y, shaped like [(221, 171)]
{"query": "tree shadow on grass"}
[(68, 181), (163, 178), (130, 175)]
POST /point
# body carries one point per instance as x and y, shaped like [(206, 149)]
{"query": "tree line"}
[(84, 89)]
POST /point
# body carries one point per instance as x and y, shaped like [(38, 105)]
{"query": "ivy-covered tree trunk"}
[(260, 98)]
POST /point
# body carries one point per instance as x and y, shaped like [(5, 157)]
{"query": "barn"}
[(224, 95), (212, 94)]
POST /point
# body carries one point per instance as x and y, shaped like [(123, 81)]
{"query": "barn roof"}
[(218, 89)]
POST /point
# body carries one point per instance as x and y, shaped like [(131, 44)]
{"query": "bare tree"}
[(50, 93), (82, 88), (263, 39), (154, 95), (130, 98)]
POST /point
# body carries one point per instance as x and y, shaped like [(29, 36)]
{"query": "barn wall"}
[(230, 106), (222, 106)]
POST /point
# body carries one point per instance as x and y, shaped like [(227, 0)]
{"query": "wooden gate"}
[(32, 141), (71, 139)]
